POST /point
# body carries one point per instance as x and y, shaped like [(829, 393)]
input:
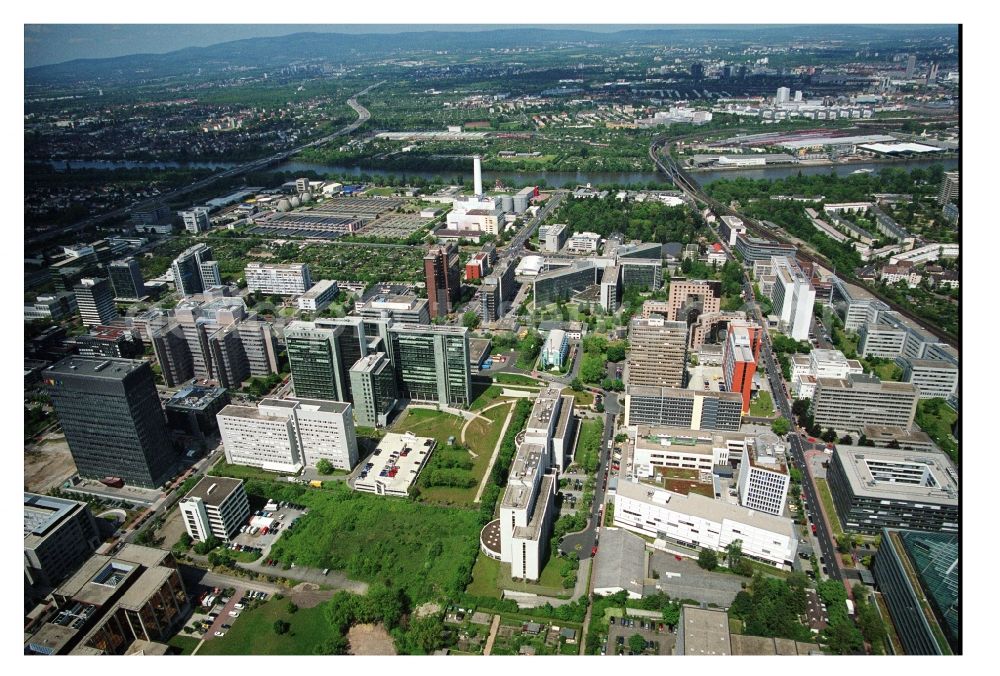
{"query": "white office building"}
[(195, 219), (216, 506), (283, 279), (319, 297), (697, 521), (792, 297), (933, 377), (763, 480), (555, 349), (527, 512), (819, 364), (285, 435), (682, 448)]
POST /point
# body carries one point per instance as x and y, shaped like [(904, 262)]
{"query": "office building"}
[(739, 359), (688, 298), (215, 507), (950, 187), (754, 249), (192, 410), (172, 353), (96, 301), (195, 219), (896, 437), (683, 448), (110, 413), (51, 306), (555, 237), (918, 576), (565, 282), (820, 364), (126, 279), (552, 427), (855, 306), (315, 361), (195, 271), (933, 377), (59, 535), (731, 227), (697, 521), (782, 96), (555, 349), (478, 266), (283, 279), (657, 353), (875, 488), (405, 308), (792, 298), (523, 197), (110, 341), (882, 340), (443, 278), (527, 511), (498, 290), (114, 604), (644, 273), (911, 65), (848, 404), (611, 289), (674, 407), (154, 214), (319, 297), (583, 243), (763, 479), (373, 387), (432, 363), (285, 435)]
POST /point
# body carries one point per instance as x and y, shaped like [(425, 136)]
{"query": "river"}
[(553, 179)]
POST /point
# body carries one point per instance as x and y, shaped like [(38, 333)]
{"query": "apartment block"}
[(283, 279), (216, 506), (657, 354), (688, 297)]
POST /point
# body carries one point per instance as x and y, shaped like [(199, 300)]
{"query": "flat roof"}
[(706, 632), (663, 392), (42, 512), (620, 561), (866, 384), (214, 490), (94, 367), (319, 288), (390, 454), (899, 474), (196, 397), (526, 464), (534, 528)]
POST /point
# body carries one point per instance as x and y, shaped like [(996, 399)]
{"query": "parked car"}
[(234, 613), (220, 633)]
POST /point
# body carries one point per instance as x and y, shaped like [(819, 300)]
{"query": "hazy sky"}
[(55, 43)]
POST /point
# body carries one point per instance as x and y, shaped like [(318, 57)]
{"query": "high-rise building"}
[(911, 65), (110, 413), (498, 290), (283, 279), (793, 298), (739, 358), (59, 535), (405, 308), (96, 301), (432, 363), (782, 95), (950, 187), (126, 279), (195, 270), (172, 353), (443, 277), (675, 407), (110, 341), (151, 214), (284, 435), (697, 71), (798, 96), (373, 384), (216, 506), (195, 219), (657, 353), (315, 363), (850, 403), (689, 298), (763, 479)]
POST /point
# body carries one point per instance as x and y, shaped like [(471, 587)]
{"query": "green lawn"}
[(515, 379), (936, 418), (549, 582), (253, 632), (581, 398), (486, 397), (424, 549), (762, 406), (427, 423), (831, 512), (186, 644), (484, 577), (223, 468), (886, 371)]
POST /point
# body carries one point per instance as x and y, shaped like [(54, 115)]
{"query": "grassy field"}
[(186, 644), (486, 397), (762, 406), (427, 423), (223, 468), (936, 418), (549, 582), (484, 577), (581, 398), (831, 512), (588, 446), (887, 371), (424, 549), (515, 379), (253, 632)]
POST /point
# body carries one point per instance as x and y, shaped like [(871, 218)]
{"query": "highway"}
[(256, 165)]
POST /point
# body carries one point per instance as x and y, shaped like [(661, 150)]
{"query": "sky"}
[(55, 43)]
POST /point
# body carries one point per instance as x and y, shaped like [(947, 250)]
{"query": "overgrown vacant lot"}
[(426, 550)]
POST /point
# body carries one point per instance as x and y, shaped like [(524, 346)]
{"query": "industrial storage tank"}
[(507, 203), (284, 205)]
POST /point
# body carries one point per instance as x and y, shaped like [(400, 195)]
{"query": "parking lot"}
[(265, 527), (684, 579), (659, 639), (216, 609)]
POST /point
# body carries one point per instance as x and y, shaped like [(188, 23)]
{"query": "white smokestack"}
[(477, 174)]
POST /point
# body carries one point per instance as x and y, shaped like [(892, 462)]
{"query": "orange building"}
[(739, 358)]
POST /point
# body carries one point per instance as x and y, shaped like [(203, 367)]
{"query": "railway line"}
[(665, 163)]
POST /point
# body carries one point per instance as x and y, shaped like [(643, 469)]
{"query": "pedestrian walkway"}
[(493, 459), (493, 635)]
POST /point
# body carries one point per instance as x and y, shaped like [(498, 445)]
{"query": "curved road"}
[(363, 116)]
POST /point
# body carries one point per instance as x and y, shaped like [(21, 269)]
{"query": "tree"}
[(846, 440), (470, 319), (781, 426), (292, 608), (281, 627), (324, 467), (708, 559), (830, 435), (636, 644), (184, 542), (672, 614), (576, 385), (734, 553)]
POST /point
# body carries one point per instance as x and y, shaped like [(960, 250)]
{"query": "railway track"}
[(665, 163)]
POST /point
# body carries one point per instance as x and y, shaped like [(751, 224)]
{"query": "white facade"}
[(195, 219), (763, 480), (319, 297), (680, 448), (697, 521), (289, 279), (215, 506), (555, 349), (792, 297), (284, 435), (928, 253), (584, 242)]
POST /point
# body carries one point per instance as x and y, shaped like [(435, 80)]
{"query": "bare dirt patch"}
[(370, 639), (47, 465), (309, 595)]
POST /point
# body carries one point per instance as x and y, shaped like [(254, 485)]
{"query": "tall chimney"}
[(477, 174)]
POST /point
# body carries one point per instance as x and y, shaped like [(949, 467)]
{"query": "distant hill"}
[(276, 52)]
